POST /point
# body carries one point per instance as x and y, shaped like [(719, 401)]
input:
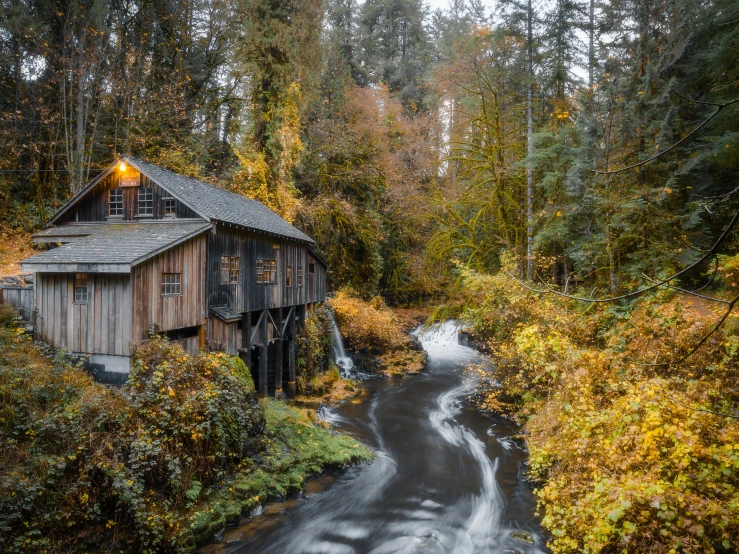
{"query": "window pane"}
[(115, 202), (169, 206), (225, 268), (146, 201), (234, 274), (171, 284)]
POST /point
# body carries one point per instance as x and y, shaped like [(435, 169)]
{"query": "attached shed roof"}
[(220, 204), (109, 248), (225, 313)]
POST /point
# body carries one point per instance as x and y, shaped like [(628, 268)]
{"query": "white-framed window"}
[(300, 275), (80, 288), (115, 202), (169, 204), (171, 284), (230, 270), (146, 201), (266, 271), (289, 276)]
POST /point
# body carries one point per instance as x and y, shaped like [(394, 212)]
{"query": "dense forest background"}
[(408, 142)]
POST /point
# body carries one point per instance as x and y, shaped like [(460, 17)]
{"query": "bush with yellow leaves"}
[(627, 456), (372, 327)]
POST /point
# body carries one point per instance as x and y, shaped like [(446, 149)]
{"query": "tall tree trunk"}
[(591, 45), (530, 148)]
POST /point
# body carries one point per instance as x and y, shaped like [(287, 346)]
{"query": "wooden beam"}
[(263, 353), (290, 314), (279, 366), (246, 338), (257, 327), (291, 356)]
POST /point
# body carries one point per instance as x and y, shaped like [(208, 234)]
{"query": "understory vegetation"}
[(374, 333), (626, 456), (157, 466)]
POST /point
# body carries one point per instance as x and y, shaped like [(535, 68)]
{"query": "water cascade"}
[(344, 362)]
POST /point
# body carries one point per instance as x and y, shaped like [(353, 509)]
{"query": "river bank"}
[(627, 454), (162, 464), (445, 478)]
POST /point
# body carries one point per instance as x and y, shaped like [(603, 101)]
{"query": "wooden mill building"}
[(143, 249)]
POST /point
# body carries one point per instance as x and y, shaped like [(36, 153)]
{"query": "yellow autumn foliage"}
[(626, 456)]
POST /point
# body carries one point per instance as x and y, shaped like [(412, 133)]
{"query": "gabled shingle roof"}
[(216, 203), (113, 244)]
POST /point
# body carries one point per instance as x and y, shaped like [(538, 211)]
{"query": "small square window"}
[(311, 268), (266, 271), (170, 204), (230, 270), (289, 276), (146, 201), (171, 284), (80, 288), (300, 275), (115, 203)]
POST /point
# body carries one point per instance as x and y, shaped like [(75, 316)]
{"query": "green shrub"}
[(313, 349), (83, 467), (7, 315)]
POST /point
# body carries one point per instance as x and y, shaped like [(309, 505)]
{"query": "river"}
[(445, 479)]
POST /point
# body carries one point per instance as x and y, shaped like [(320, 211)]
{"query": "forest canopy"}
[(406, 140)]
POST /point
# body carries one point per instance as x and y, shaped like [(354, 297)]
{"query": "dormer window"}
[(115, 203), (146, 202)]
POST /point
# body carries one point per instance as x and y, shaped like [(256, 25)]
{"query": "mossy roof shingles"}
[(114, 243), (220, 204)]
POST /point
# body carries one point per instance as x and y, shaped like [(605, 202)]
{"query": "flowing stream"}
[(445, 479), (342, 360)]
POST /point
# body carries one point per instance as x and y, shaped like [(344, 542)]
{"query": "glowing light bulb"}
[(122, 167)]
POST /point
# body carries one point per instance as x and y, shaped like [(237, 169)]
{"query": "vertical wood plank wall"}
[(224, 336), (170, 312), (248, 295), (102, 325), (94, 206)]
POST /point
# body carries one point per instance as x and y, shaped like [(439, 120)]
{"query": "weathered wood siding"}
[(22, 299), (315, 280), (222, 336), (248, 295), (170, 312), (94, 205), (102, 325)]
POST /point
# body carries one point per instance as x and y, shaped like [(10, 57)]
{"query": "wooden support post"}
[(263, 353), (245, 351), (278, 355), (291, 356), (201, 336)]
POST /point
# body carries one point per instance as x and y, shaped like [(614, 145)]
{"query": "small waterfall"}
[(344, 362)]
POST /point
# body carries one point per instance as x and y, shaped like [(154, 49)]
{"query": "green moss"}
[(243, 373), (295, 448)]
